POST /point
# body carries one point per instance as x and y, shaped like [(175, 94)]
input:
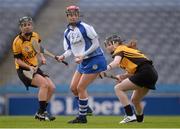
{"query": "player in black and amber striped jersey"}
[(23, 49), (26, 59), (140, 75), (131, 58)]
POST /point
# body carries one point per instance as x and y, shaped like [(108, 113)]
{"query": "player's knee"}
[(44, 84), (80, 89), (117, 88), (135, 101), (74, 90), (52, 87), (120, 87)]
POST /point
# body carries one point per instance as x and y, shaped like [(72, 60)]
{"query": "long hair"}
[(117, 39), (132, 44)]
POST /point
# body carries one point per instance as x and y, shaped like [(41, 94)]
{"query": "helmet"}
[(113, 39), (72, 9), (25, 19)]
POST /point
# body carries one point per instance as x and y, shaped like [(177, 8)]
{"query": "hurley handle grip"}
[(64, 62)]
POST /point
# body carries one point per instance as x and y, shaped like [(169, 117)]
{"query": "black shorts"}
[(145, 76), (26, 80)]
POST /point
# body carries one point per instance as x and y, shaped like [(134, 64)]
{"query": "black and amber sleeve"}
[(16, 49), (37, 37), (118, 52)]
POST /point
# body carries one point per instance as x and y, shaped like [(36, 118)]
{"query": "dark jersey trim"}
[(139, 61), (19, 56)]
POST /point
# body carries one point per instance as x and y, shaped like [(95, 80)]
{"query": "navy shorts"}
[(26, 80), (145, 76)]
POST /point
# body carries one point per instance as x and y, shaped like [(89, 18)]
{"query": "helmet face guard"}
[(72, 10), (25, 19)]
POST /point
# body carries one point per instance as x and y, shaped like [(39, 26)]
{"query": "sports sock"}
[(140, 118), (128, 110), (47, 104), (42, 106), (83, 104)]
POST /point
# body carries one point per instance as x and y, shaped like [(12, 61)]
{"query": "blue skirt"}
[(92, 65)]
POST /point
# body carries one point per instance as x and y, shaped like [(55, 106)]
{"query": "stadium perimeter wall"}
[(14, 100)]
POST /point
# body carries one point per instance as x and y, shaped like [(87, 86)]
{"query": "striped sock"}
[(83, 104)]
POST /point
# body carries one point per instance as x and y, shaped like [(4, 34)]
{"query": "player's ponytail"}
[(132, 44)]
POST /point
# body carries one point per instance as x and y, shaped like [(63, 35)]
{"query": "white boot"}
[(128, 119)]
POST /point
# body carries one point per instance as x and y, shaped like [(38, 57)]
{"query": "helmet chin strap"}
[(112, 52), (28, 34)]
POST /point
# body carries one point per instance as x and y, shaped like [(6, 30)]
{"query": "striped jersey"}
[(23, 49), (131, 58)]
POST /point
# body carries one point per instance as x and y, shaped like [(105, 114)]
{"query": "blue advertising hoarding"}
[(107, 105)]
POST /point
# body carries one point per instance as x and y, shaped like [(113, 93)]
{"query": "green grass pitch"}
[(93, 122)]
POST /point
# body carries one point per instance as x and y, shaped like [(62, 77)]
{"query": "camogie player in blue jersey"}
[(81, 40)]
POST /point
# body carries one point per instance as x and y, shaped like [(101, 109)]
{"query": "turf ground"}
[(93, 122)]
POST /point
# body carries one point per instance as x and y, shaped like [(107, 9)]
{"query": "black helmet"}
[(25, 19), (113, 39)]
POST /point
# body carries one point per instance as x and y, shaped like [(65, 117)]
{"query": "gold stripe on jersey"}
[(24, 47), (129, 66), (131, 58)]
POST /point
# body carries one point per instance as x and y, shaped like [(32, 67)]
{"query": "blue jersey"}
[(78, 39)]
